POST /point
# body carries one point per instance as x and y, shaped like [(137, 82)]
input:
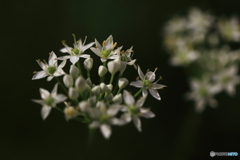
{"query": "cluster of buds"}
[(98, 105), (202, 44)]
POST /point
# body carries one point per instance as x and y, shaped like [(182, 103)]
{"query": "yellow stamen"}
[(137, 78), (114, 45), (34, 72), (104, 43)]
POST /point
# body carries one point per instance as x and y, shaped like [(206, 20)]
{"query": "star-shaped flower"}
[(106, 50), (49, 100), (134, 110), (76, 52), (51, 69), (146, 83)]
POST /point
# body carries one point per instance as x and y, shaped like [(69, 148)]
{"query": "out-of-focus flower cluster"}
[(99, 105), (204, 45)]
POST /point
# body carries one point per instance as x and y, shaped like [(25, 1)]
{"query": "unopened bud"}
[(114, 66), (102, 70), (68, 80), (117, 98), (109, 97), (84, 106), (88, 63), (80, 83), (103, 87), (73, 93), (74, 72), (122, 83), (96, 90), (110, 87)]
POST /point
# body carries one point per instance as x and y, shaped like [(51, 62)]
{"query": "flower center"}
[(105, 53), (134, 110), (75, 51), (203, 92), (49, 101), (51, 70), (226, 79), (147, 83), (104, 118)]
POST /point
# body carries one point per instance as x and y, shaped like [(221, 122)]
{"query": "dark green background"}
[(32, 29)]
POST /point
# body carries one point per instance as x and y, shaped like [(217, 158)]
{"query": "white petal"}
[(137, 123), (137, 84), (85, 56), (157, 86), (45, 111), (113, 110), (39, 75), (58, 72), (155, 94), (150, 76), (44, 93), (131, 62), (62, 64), (87, 46), (140, 73), (52, 59), (96, 51), (74, 59), (94, 124), (39, 101), (98, 45), (54, 91), (141, 101), (126, 117), (63, 57), (106, 130), (116, 121), (146, 113), (60, 98), (128, 98), (42, 65), (64, 50), (49, 78), (144, 93)]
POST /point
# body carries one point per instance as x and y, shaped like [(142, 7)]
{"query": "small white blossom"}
[(51, 69), (134, 110), (147, 83), (106, 50), (77, 51), (49, 100), (70, 112)]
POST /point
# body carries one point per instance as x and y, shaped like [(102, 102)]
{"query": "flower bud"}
[(110, 87), (73, 93), (109, 97), (122, 83), (84, 106), (88, 63), (103, 87), (80, 83), (68, 80), (74, 72), (114, 66), (117, 98), (101, 105), (96, 90), (102, 70), (89, 82), (92, 100)]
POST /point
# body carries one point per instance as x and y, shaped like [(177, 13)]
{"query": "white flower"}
[(106, 51), (103, 117), (202, 93), (49, 100), (77, 51), (134, 110), (227, 79), (147, 83), (70, 112), (126, 59), (51, 69)]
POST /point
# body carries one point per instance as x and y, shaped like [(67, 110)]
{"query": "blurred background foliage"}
[(32, 29)]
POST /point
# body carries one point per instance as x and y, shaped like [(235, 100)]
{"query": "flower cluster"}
[(99, 105), (204, 45)]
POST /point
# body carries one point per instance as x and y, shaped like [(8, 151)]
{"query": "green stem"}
[(116, 85), (112, 77), (88, 74), (61, 84), (59, 109), (90, 137), (79, 67), (138, 92), (119, 90), (103, 77)]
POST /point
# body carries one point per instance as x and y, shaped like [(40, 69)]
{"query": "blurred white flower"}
[(227, 79), (49, 100), (147, 83), (51, 69), (202, 92)]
